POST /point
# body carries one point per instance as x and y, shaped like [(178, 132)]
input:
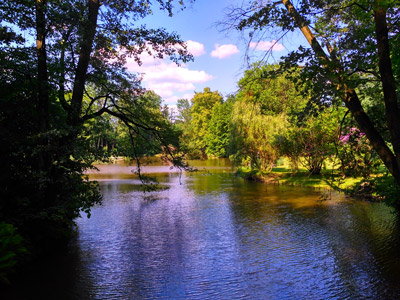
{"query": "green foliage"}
[(41, 188), (184, 116), (380, 188), (200, 113), (356, 155), (254, 136), (265, 104), (205, 124), (352, 60), (271, 88), (66, 99), (100, 134), (219, 129), (387, 190), (11, 246), (312, 142), (137, 141)]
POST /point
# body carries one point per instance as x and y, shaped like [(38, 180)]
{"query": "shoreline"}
[(323, 182)]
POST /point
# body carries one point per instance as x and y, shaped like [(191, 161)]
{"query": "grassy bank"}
[(379, 187), (283, 175)]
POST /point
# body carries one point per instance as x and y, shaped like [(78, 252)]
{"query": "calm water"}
[(213, 236)]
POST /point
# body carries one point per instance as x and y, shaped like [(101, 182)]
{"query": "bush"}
[(356, 154), (11, 246), (382, 188), (311, 143)]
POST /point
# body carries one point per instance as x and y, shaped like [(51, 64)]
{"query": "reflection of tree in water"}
[(209, 181), (340, 246), (234, 235), (360, 237)]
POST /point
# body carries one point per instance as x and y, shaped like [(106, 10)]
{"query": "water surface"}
[(213, 236)]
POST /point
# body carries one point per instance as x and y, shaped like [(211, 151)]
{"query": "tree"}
[(275, 92), (266, 103), (311, 142), (219, 129), (52, 88), (183, 116), (254, 135), (351, 42), (140, 142), (357, 158), (201, 113)]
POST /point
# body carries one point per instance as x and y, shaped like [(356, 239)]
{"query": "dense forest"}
[(67, 100)]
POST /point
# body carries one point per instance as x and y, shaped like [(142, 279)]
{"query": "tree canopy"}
[(63, 76), (351, 43), (276, 93), (201, 113)]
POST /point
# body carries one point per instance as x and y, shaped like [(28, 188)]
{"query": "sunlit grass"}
[(282, 173)]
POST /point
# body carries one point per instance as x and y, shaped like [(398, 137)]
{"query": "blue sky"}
[(219, 56)]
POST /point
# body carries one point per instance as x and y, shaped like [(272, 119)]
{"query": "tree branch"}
[(98, 113), (349, 96)]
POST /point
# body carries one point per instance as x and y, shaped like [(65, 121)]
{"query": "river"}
[(210, 235)]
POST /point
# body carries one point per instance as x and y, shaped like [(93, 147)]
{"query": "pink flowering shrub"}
[(356, 154), (353, 134)]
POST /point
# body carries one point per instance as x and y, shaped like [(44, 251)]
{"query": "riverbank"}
[(282, 175), (378, 188)]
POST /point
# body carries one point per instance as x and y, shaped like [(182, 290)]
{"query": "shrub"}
[(11, 246)]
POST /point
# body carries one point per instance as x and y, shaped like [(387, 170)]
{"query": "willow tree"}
[(255, 135), (350, 43), (274, 91), (265, 104), (63, 64)]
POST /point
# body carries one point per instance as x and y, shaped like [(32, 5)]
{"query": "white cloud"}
[(166, 78), (168, 89), (170, 72), (224, 51), (195, 48), (266, 45)]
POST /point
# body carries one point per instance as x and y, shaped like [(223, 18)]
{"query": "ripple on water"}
[(217, 237)]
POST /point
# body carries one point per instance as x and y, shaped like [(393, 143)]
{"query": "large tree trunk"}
[(387, 79), (365, 124), (89, 31), (349, 96), (42, 79), (43, 101)]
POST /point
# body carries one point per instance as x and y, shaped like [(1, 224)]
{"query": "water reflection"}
[(214, 236)]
